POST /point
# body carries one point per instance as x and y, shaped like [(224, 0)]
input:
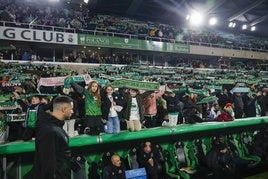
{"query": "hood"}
[(45, 118)]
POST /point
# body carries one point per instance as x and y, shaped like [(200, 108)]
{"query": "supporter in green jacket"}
[(93, 120)]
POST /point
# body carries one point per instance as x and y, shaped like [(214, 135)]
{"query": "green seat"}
[(170, 166), (243, 142), (206, 144), (175, 160), (235, 144)]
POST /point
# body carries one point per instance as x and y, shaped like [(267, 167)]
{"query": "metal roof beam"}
[(218, 4), (259, 20), (243, 11)]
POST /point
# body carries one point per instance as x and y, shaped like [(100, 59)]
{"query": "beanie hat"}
[(228, 105)]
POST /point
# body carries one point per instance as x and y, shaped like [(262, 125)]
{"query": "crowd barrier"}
[(17, 157)]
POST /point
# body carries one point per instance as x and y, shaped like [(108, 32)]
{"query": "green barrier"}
[(184, 129), (92, 147)]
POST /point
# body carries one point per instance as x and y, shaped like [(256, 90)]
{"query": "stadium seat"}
[(236, 146)]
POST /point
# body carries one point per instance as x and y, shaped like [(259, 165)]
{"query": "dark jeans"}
[(94, 124), (150, 121)]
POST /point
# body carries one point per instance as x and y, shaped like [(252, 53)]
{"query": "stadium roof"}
[(250, 12)]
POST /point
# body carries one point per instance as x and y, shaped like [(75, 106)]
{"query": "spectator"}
[(214, 111), (52, 154), (111, 104), (238, 105), (190, 112), (174, 108), (224, 164), (260, 106), (31, 115), (227, 114), (150, 159), (26, 56), (71, 58), (260, 145), (135, 108), (115, 169), (93, 121), (224, 98), (150, 109), (250, 105)]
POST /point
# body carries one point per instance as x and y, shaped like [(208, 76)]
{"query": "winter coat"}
[(52, 155)]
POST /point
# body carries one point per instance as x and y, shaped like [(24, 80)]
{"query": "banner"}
[(9, 106), (109, 77), (216, 87), (34, 35), (54, 81), (133, 84), (59, 81), (134, 44), (5, 97), (225, 81), (15, 117), (11, 83), (79, 78)]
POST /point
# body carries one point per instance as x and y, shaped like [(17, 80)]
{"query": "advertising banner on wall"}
[(33, 35), (134, 44), (104, 41)]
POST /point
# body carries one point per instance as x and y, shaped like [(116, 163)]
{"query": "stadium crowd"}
[(185, 95), (81, 21), (250, 103)]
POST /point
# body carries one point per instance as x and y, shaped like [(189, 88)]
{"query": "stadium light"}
[(252, 28), (212, 21), (196, 19), (232, 25), (244, 27), (86, 1)]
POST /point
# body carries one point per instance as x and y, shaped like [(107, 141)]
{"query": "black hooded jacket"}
[(52, 154)]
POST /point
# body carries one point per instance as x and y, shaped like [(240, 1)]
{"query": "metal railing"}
[(122, 35)]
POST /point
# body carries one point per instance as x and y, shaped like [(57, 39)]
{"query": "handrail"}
[(130, 36), (164, 132)]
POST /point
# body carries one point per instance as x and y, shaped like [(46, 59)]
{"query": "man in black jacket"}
[(115, 169), (52, 155), (219, 161)]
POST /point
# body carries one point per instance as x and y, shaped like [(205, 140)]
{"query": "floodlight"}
[(244, 27), (232, 25), (253, 28), (196, 19), (86, 1), (212, 21)]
